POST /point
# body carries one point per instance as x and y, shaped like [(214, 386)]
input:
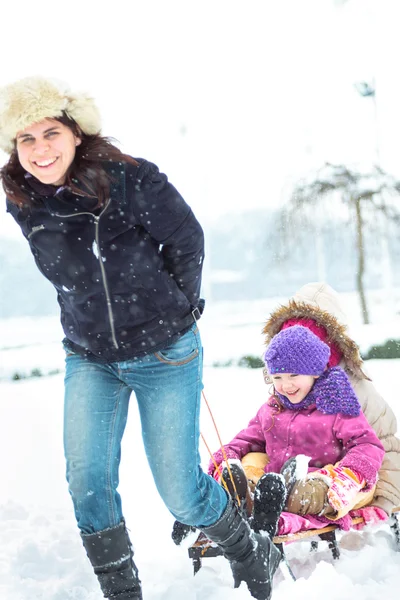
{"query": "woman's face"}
[(46, 150)]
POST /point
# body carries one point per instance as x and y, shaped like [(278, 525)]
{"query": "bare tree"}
[(364, 193)]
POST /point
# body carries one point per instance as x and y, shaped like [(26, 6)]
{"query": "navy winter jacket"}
[(127, 275)]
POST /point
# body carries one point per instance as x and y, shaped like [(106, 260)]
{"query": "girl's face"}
[(46, 150), (294, 387)]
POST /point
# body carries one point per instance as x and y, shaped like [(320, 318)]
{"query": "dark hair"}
[(86, 169)]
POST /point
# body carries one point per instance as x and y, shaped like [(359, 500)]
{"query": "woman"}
[(124, 253)]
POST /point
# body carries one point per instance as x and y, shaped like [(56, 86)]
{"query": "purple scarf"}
[(332, 393)]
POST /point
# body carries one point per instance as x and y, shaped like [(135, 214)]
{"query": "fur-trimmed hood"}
[(318, 301), (33, 99)]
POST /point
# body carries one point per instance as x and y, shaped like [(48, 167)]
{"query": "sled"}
[(205, 548)]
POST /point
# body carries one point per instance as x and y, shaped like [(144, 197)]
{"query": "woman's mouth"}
[(44, 164)]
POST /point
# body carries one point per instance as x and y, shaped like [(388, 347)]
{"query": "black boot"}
[(110, 553), (180, 531), (269, 502), (252, 556), (240, 494)]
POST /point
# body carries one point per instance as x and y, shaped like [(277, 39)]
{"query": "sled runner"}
[(204, 548)]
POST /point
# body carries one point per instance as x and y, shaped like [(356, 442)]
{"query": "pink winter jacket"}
[(326, 438)]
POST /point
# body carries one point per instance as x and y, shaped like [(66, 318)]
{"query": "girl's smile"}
[(295, 387)]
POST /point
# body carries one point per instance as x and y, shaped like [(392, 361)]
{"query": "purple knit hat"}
[(296, 350)]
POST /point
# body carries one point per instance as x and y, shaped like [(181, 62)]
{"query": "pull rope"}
[(218, 467)]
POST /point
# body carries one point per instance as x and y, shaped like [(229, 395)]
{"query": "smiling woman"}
[(46, 150), (124, 252), (41, 123)]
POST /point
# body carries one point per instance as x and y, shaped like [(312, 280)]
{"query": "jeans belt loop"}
[(196, 314)]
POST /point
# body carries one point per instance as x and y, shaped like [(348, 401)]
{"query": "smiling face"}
[(294, 387), (46, 150)]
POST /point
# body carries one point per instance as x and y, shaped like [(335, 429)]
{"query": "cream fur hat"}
[(33, 99)]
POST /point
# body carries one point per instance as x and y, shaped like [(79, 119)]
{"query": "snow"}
[(302, 466), (41, 556)]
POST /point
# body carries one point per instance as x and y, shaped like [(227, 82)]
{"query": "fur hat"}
[(33, 99), (297, 350)]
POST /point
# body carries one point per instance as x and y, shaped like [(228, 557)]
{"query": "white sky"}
[(232, 100)]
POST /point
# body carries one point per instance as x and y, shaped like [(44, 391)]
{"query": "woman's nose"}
[(41, 146)]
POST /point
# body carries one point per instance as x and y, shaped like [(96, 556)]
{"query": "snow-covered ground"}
[(41, 556)]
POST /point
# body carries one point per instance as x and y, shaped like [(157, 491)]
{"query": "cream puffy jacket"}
[(318, 301)]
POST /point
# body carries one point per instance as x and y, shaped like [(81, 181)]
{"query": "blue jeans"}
[(167, 386)]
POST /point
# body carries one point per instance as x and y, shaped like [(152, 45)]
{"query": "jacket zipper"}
[(102, 269), (105, 283), (34, 230)]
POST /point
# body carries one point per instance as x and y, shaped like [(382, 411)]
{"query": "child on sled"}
[(318, 307), (314, 413)]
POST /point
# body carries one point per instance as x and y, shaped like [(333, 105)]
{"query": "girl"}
[(317, 306), (314, 412), (124, 253)]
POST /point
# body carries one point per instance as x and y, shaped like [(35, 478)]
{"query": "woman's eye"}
[(52, 133)]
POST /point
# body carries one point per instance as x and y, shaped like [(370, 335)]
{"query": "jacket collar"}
[(60, 199), (42, 189)]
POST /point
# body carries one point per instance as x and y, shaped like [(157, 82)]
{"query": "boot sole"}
[(269, 501)]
